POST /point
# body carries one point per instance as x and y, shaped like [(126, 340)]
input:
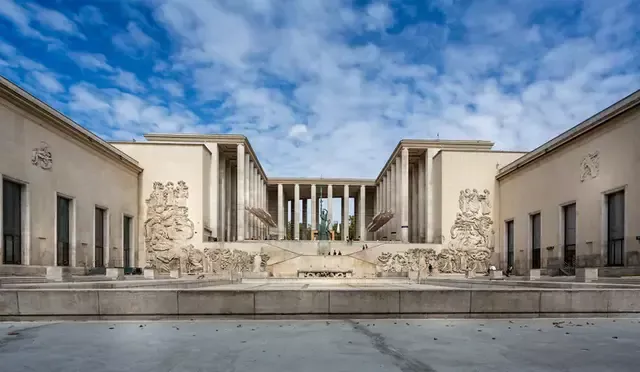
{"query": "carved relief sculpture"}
[(223, 260), (168, 228), (193, 260), (41, 156), (590, 166), (470, 247)]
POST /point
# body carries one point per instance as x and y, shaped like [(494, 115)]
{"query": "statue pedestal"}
[(324, 247)]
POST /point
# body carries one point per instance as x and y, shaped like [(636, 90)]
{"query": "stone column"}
[(361, 217), (227, 218), (249, 178), (281, 224), (392, 200), (231, 202), (304, 219), (429, 196), (415, 235), (345, 213), (330, 206), (222, 167), (421, 201), (296, 211), (213, 189), (404, 195), (314, 211), (256, 178), (241, 192), (292, 212), (263, 205), (245, 214), (256, 221)]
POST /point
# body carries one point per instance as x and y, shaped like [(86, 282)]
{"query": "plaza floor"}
[(538, 345)]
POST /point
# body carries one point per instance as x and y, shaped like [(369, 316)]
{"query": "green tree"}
[(352, 227)]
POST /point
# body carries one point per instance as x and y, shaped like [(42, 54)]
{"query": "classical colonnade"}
[(299, 209), (239, 185), (403, 190)]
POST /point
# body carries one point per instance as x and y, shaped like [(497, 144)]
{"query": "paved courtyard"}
[(539, 345)]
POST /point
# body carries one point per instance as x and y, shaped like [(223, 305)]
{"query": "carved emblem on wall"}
[(41, 156), (470, 247), (167, 227), (590, 166)]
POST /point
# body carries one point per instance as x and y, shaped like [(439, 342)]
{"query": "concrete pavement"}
[(388, 345)]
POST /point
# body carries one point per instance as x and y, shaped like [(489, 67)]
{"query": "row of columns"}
[(296, 210), (233, 186), (404, 190)]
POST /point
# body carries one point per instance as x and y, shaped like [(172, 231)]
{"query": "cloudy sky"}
[(325, 87)]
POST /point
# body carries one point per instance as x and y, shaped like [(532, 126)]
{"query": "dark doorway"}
[(535, 241), (11, 222), (510, 242), (615, 229), (126, 243), (569, 215), (63, 229), (99, 237)]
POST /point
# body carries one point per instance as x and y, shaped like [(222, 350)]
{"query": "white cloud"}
[(174, 88), (379, 16), (54, 20), (90, 14), (91, 61), (127, 80), (20, 17), (87, 98), (133, 39), (48, 81)]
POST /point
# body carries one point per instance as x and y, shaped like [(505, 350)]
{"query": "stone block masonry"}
[(177, 303)]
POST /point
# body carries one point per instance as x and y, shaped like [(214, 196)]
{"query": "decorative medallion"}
[(41, 156)]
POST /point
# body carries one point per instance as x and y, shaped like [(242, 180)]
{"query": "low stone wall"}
[(145, 304), (290, 268)]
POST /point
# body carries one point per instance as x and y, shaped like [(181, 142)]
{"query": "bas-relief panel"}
[(590, 166), (168, 230), (470, 247), (41, 156)]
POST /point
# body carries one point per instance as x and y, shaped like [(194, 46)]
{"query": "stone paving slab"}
[(538, 345)]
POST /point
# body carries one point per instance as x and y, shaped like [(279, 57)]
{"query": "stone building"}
[(203, 203)]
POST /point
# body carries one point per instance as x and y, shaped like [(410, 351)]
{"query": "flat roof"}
[(470, 145), (31, 104), (601, 118)]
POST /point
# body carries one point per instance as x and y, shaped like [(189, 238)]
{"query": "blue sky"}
[(325, 87)]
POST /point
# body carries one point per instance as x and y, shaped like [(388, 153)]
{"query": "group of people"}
[(364, 246), (506, 272), (338, 254)]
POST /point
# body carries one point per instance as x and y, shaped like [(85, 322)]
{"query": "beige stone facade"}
[(203, 203), (46, 158)]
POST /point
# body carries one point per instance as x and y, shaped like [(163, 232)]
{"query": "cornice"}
[(321, 181), (47, 115)]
